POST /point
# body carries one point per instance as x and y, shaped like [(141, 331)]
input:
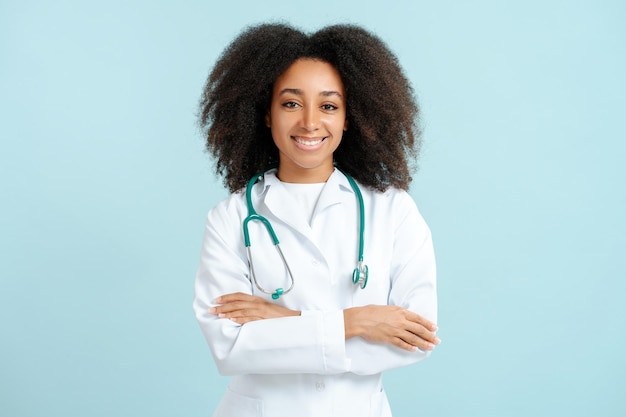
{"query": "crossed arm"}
[(375, 323)]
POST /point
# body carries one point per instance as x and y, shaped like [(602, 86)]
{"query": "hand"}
[(243, 308), (391, 324)]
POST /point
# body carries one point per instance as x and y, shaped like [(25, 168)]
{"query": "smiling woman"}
[(382, 140), (322, 129), (307, 118)]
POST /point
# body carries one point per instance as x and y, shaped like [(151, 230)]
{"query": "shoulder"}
[(394, 198), (228, 211), (396, 208)]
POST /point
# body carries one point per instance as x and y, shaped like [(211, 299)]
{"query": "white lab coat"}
[(303, 366)]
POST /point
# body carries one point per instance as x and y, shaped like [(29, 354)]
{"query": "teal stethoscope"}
[(359, 274)]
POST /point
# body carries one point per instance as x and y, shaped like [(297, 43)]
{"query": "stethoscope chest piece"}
[(360, 275), (276, 295)]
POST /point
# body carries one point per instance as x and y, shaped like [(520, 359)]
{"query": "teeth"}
[(309, 142)]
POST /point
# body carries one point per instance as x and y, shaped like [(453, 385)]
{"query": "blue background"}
[(104, 189)]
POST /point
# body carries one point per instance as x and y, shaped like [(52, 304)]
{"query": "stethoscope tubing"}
[(359, 274)]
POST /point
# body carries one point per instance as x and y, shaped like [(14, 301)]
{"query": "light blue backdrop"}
[(104, 188)]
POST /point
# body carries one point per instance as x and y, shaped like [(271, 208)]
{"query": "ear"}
[(345, 125), (268, 119)]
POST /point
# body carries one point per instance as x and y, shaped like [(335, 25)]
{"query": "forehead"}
[(310, 74)]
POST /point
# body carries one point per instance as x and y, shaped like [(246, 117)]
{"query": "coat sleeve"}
[(310, 343), (413, 287)]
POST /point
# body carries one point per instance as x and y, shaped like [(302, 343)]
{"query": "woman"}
[(307, 329)]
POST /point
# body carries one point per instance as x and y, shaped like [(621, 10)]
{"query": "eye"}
[(291, 104), (329, 107)]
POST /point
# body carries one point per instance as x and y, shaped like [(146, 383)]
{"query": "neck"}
[(304, 175)]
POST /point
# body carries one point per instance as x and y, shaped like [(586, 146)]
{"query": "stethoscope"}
[(360, 273)]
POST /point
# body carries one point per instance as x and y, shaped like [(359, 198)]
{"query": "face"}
[(307, 117)]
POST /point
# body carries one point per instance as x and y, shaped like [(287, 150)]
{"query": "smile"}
[(309, 142)]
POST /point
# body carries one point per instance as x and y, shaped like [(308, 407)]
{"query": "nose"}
[(310, 118)]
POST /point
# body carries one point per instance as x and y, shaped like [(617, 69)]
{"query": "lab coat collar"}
[(273, 195), (336, 180)]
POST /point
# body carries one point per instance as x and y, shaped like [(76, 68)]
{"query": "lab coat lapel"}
[(278, 201), (334, 192), (282, 206)]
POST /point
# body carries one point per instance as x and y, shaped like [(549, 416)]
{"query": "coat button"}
[(320, 386), (316, 262)]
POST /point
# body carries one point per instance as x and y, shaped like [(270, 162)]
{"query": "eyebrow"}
[(298, 92)]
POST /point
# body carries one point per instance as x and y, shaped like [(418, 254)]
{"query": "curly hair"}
[(383, 137)]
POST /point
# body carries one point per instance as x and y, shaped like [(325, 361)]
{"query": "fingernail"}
[(430, 346), (221, 315), (437, 340), (435, 328), (212, 310), (218, 300)]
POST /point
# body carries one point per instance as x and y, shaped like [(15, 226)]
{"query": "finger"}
[(407, 340), (244, 320), (239, 303), (423, 333), (233, 306), (418, 341), (416, 318), (246, 312), (235, 296), (403, 345)]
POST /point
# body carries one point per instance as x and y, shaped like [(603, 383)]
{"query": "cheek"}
[(340, 125), (280, 126), (281, 130), (280, 120)]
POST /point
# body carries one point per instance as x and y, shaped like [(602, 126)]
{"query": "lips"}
[(308, 141)]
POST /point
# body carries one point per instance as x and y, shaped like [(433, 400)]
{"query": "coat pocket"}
[(236, 405), (379, 406)]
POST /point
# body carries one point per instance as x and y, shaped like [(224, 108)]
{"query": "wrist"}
[(350, 322), (291, 313)]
